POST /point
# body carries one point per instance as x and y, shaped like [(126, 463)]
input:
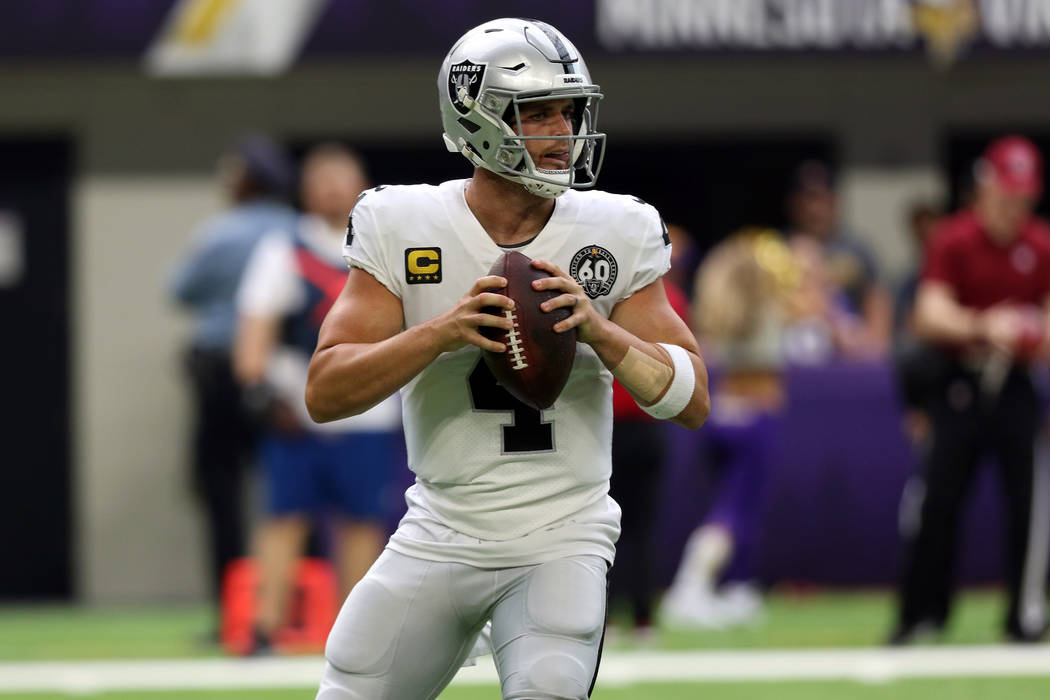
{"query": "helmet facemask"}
[(582, 172)]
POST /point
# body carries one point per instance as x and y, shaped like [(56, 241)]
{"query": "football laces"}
[(517, 352)]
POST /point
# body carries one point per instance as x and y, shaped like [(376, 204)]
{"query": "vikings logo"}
[(948, 27), (464, 83)]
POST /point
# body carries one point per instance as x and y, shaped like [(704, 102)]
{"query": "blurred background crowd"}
[(174, 184)]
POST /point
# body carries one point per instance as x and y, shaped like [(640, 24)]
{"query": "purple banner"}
[(125, 28), (946, 31), (830, 512), (401, 27), (75, 28)]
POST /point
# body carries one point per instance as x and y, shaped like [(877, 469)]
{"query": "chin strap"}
[(547, 190), (544, 189)]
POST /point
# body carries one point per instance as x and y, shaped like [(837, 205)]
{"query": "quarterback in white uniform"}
[(509, 520)]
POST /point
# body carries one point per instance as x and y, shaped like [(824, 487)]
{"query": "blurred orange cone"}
[(311, 612)]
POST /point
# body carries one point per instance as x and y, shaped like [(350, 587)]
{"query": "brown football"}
[(538, 361)]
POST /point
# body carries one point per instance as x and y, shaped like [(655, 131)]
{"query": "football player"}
[(509, 519)]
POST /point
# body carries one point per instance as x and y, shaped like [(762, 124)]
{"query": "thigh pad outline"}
[(566, 597)]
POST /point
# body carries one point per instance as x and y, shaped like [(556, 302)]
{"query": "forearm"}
[(1046, 329), (878, 320), (252, 347), (647, 371), (349, 378), (946, 321)]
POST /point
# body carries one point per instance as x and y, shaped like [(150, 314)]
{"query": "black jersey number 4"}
[(527, 432)]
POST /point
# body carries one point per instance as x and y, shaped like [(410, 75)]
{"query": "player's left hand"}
[(585, 318)]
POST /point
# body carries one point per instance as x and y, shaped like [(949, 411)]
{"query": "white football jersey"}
[(497, 482)]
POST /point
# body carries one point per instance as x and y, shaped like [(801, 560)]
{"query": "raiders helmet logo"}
[(464, 83)]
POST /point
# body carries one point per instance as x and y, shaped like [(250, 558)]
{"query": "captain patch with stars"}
[(423, 265), (595, 269)]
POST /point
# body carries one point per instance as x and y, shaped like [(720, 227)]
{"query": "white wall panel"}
[(137, 531)]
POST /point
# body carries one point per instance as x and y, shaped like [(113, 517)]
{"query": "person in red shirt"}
[(984, 300)]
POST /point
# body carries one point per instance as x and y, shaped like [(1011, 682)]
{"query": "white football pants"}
[(408, 626)]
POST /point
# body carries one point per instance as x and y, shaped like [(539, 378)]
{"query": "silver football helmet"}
[(491, 71)]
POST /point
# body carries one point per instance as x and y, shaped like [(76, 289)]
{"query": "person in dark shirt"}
[(984, 299), (257, 175), (914, 361), (860, 317)]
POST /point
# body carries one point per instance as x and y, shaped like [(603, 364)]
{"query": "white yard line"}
[(618, 668)]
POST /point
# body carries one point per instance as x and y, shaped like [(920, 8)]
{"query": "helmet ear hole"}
[(469, 125), (510, 117), (581, 153), (485, 145)]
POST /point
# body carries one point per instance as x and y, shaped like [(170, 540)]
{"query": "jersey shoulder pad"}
[(383, 206), (631, 215), (387, 198)]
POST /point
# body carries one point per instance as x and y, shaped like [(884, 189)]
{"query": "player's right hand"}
[(459, 326)]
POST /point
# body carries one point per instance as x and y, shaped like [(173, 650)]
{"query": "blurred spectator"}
[(745, 295), (639, 456), (922, 219), (348, 465), (257, 176), (683, 259), (984, 298), (915, 362), (859, 316), (813, 337)]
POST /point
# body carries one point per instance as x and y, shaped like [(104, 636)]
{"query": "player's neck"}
[(508, 213), (1001, 233)]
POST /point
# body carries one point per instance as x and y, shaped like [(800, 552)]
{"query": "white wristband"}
[(677, 396)]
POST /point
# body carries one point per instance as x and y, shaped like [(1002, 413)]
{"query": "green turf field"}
[(792, 621), (933, 689)]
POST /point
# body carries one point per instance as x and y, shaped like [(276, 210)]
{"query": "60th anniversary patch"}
[(595, 269)]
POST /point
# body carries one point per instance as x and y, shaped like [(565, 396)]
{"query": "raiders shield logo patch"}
[(595, 269), (464, 83)]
